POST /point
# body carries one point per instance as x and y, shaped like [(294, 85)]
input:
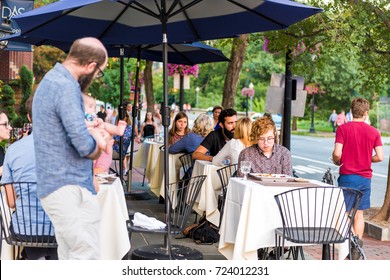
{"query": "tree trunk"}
[(294, 124), (234, 70), (149, 86), (384, 212)]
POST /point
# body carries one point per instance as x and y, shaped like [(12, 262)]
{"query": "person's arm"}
[(286, 163), (379, 154), (337, 152), (141, 133), (136, 131), (11, 196), (200, 154), (100, 144), (71, 116), (178, 147), (156, 131), (223, 154)]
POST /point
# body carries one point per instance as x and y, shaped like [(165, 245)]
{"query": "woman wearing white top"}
[(232, 149), (158, 119)]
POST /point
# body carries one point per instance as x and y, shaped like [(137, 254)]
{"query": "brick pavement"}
[(373, 248)]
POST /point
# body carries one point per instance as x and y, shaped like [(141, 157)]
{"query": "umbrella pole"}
[(167, 251), (181, 102), (121, 113), (166, 121), (134, 113), (287, 102)]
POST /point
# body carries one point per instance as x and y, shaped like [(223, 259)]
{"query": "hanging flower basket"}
[(312, 88), (249, 92), (184, 70)]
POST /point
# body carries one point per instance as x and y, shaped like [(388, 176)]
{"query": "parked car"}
[(277, 119)]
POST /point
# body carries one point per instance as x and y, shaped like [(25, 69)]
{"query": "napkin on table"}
[(144, 221)]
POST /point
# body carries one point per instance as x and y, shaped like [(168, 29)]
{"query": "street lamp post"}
[(197, 89), (251, 86), (312, 129), (247, 105), (248, 92)]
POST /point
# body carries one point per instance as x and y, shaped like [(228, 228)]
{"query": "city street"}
[(311, 158)]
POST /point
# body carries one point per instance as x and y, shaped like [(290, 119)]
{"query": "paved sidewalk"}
[(374, 249)]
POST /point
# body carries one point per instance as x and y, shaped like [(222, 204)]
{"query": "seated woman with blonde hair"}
[(267, 156), (232, 149)]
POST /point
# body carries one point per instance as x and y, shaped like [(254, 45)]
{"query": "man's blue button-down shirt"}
[(62, 141)]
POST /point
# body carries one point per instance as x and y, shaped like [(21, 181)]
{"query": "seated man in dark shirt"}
[(216, 139)]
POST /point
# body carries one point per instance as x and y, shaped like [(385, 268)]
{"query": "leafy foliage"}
[(26, 82), (342, 47), (45, 57), (107, 89), (8, 102)]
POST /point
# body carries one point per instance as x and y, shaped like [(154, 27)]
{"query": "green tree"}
[(45, 57), (233, 71), (355, 31), (8, 102), (107, 89), (25, 82)]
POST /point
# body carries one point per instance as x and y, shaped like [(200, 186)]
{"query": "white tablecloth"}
[(114, 238), (250, 218), (147, 158), (174, 172), (7, 251), (151, 158), (208, 198)]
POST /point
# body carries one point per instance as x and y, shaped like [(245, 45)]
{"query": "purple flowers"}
[(312, 88), (248, 92), (183, 70)]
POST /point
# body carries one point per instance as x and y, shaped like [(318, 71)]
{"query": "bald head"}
[(87, 50)]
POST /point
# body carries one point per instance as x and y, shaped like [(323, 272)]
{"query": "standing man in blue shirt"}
[(64, 150)]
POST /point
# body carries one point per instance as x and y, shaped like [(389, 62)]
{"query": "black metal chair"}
[(182, 196), (316, 215), (224, 174), (26, 224), (187, 163)]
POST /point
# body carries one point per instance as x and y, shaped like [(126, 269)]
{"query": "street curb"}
[(376, 231)]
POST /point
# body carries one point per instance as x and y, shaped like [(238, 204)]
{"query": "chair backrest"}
[(187, 163), (182, 196), (26, 224), (225, 173), (318, 214)]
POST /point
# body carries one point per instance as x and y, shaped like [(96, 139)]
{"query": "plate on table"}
[(105, 175), (302, 180), (268, 177), (102, 181)]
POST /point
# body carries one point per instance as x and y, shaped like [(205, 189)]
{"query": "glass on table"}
[(245, 168)]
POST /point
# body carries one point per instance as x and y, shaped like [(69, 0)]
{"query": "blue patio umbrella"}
[(156, 21), (187, 54)]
